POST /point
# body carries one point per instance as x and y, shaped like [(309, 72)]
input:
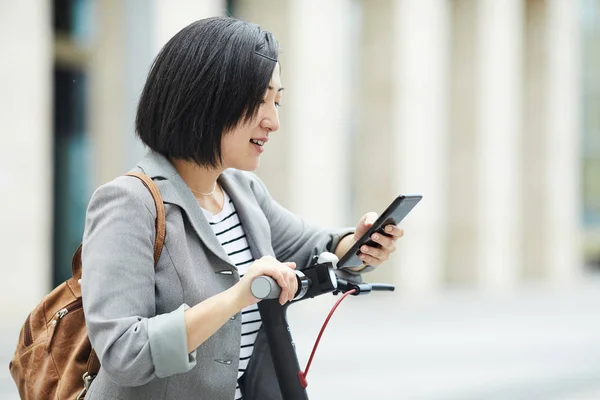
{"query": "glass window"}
[(591, 113), (71, 141)]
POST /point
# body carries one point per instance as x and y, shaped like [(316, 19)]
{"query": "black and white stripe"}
[(227, 227)]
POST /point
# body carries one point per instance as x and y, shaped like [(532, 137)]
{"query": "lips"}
[(260, 141)]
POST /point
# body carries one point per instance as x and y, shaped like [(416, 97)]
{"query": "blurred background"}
[(489, 108)]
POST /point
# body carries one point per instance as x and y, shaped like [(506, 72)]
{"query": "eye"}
[(277, 104)]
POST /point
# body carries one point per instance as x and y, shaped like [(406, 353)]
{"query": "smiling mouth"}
[(257, 142)]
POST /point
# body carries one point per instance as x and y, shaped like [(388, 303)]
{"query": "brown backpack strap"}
[(93, 365), (161, 225)]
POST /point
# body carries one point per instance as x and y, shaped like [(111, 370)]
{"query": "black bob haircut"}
[(207, 79)]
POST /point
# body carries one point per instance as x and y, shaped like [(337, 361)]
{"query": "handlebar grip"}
[(265, 287), (382, 287)]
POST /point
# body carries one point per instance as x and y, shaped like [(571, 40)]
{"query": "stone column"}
[(317, 108), (108, 117), (499, 32), (275, 164), (420, 130), (562, 238), (139, 24), (373, 163), (170, 18), (461, 200), (534, 139), (130, 35), (25, 156)]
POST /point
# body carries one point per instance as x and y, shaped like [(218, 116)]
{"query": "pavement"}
[(534, 343)]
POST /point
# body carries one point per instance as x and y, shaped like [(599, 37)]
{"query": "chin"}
[(249, 166)]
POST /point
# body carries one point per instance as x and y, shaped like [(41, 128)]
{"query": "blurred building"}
[(489, 108)]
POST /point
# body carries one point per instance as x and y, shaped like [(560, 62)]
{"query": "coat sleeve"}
[(134, 344), (292, 238)]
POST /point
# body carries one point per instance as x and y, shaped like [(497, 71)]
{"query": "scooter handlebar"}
[(265, 287)]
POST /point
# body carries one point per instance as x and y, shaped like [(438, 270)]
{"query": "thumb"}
[(364, 224), (290, 264), (368, 219)]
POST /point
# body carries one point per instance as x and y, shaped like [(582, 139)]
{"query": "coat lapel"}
[(174, 191)]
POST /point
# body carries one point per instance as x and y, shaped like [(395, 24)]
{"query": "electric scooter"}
[(320, 278)]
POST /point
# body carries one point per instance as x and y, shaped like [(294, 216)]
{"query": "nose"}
[(270, 119)]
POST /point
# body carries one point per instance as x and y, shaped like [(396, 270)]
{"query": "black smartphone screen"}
[(392, 215)]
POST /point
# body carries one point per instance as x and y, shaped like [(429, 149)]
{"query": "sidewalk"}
[(535, 344)]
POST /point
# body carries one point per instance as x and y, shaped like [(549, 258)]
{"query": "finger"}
[(379, 254), (369, 218), (283, 282), (291, 292), (290, 264), (293, 285), (394, 231), (385, 241), (285, 291), (385, 255), (291, 278), (283, 297), (278, 276), (369, 260)]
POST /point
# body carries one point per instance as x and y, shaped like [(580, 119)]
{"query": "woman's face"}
[(241, 147)]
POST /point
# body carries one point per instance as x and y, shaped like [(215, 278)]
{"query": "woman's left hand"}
[(374, 255)]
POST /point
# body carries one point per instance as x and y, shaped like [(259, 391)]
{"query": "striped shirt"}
[(228, 228)]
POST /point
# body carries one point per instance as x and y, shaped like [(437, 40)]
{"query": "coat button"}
[(225, 272)]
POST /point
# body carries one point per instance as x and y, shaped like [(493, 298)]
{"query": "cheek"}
[(232, 146)]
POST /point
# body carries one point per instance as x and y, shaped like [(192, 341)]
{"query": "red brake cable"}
[(302, 375)]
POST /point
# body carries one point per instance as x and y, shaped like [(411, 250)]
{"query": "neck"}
[(199, 179)]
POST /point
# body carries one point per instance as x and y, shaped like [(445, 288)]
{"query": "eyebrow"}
[(280, 89)]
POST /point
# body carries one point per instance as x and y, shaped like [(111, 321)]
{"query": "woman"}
[(190, 328)]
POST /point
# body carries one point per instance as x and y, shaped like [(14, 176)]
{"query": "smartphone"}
[(393, 214)]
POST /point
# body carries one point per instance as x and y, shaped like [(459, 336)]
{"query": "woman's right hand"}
[(282, 273)]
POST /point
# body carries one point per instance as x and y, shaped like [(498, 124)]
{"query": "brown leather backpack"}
[(54, 358)]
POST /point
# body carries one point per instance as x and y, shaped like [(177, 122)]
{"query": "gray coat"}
[(134, 314)]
